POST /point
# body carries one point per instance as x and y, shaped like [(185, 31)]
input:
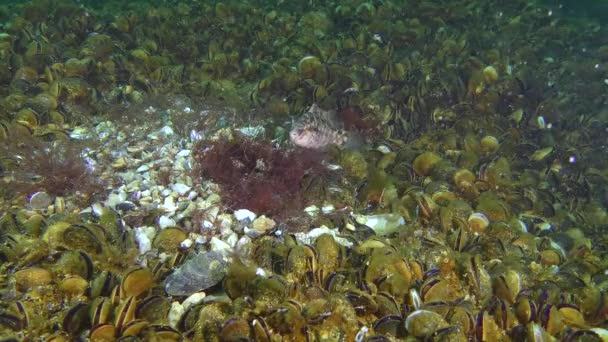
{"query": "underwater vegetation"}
[(58, 167), (258, 176)]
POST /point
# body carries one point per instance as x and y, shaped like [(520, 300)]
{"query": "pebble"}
[(169, 205), (175, 314), (194, 299), (183, 153), (242, 214), (143, 168), (165, 221), (180, 188), (143, 239)]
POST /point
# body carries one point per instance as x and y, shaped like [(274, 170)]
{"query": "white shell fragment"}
[(310, 237), (383, 224)]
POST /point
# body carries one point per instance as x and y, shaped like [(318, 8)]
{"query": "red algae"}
[(57, 167), (256, 175)]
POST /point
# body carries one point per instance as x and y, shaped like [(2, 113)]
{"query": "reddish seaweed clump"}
[(257, 176), (57, 167)]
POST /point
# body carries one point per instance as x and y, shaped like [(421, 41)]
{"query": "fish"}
[(319, 129)]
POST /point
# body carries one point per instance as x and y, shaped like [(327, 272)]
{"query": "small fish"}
[(318, 129)]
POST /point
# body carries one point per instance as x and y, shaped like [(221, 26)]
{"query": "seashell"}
[(478, 222), (235, 329), (391, 325), (40, 200), (508, 286), (125, 313), (134, 328), (169, 239), (137, 282), (103, 284), (31, 277), (103, 332), (83, 238), (424, 323), (424, 163), (74, 286), (572, 316), (101, 311), (76, 319), (153, 309), (163, 333)]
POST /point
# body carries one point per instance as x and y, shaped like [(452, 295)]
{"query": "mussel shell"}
[(137, 282), (235, 329), (392, 325), (76, 320), (103, 332), (11, 321), (153, 309), (80, 237)]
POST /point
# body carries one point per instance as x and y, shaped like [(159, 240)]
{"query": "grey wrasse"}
[(318, 129)]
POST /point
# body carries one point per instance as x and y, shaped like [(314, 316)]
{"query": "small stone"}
[(144, 242), (231, 239), (143, 168), (194, 299), (186, 243), (263, 224), (169, 205), (183, 153), (180, 188), (40, 200), (165, 221), (175, 314), (218, 245), (242, 214), (120, 163)]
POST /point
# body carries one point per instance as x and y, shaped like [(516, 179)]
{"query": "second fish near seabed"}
[(318, 129)]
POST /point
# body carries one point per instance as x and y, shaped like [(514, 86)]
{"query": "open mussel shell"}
[(136, 282)]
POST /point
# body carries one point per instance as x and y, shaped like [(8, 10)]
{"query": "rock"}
[(180, 188), (175, 314), (198, 273), (263, 224), (194, 299), (242, 214), (165, 221)]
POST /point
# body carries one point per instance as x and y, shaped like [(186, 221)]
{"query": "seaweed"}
[(258, 176), (57, 167)]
